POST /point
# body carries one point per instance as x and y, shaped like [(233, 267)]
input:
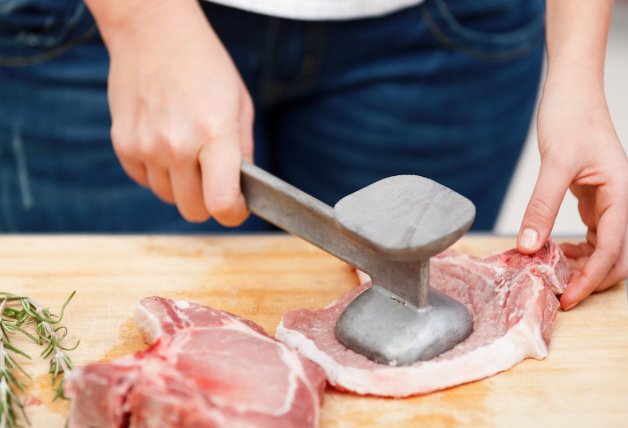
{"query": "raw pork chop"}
[(512, 300), (206, 368)]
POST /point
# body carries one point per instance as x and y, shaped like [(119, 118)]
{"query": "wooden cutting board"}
[(583, 382)]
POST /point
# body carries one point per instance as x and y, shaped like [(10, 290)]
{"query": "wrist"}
[(577, 32), (121, 22), (574, 76), (568, 66)]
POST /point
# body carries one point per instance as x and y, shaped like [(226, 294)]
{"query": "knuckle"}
[(222, 206), (539, 209), (227, 210), (146, 147), (213, 127), (179, 152), (610, 254), (248, 108), (117, 135), (207, 128), (122, 144)]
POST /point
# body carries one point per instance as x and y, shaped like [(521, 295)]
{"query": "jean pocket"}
[(35, 30), (493, 30)]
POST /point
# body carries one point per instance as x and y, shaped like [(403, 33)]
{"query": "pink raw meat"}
[(206, 368), (512, 300)]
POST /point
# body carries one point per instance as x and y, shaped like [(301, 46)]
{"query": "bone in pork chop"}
[(206, 368), (510, 295)]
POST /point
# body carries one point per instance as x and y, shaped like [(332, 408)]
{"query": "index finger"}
[(610, 234)]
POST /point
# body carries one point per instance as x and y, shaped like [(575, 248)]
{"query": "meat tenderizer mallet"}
[(389, 230)]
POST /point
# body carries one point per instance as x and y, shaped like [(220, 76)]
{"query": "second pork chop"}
[(206, 368)]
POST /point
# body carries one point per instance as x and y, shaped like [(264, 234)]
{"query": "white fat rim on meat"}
[(520, 342), (291, 358), (147, 323), (182, 304)]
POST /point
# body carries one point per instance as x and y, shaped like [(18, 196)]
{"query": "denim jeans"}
[(445, 90)]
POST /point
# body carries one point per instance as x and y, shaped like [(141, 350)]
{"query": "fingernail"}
[(529, 238)]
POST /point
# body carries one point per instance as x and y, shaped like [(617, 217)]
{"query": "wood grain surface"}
[(583, 382)]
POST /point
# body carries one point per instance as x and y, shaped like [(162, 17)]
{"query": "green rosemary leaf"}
[(14, 327), (16, 350), (65, 304), (14, 364), (71, 348)]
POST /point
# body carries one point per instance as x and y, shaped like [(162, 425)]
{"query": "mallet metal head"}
[(403, 220)]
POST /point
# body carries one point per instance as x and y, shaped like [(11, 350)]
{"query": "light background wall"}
[(616, 75)]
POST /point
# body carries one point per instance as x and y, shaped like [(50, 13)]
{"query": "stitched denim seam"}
[(50, 41), (24, 61), (452, 44)]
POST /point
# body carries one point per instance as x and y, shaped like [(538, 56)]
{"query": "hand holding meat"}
[(182, 117), (581, 151)]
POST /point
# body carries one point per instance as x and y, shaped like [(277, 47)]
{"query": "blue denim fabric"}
[(445, 90)]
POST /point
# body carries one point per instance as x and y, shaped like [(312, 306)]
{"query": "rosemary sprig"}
[(10, 402), (51, 334), (18, 315)]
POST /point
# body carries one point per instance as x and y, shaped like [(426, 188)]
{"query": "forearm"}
[(577, 32)]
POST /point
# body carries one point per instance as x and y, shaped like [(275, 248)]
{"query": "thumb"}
[(542, 209)]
